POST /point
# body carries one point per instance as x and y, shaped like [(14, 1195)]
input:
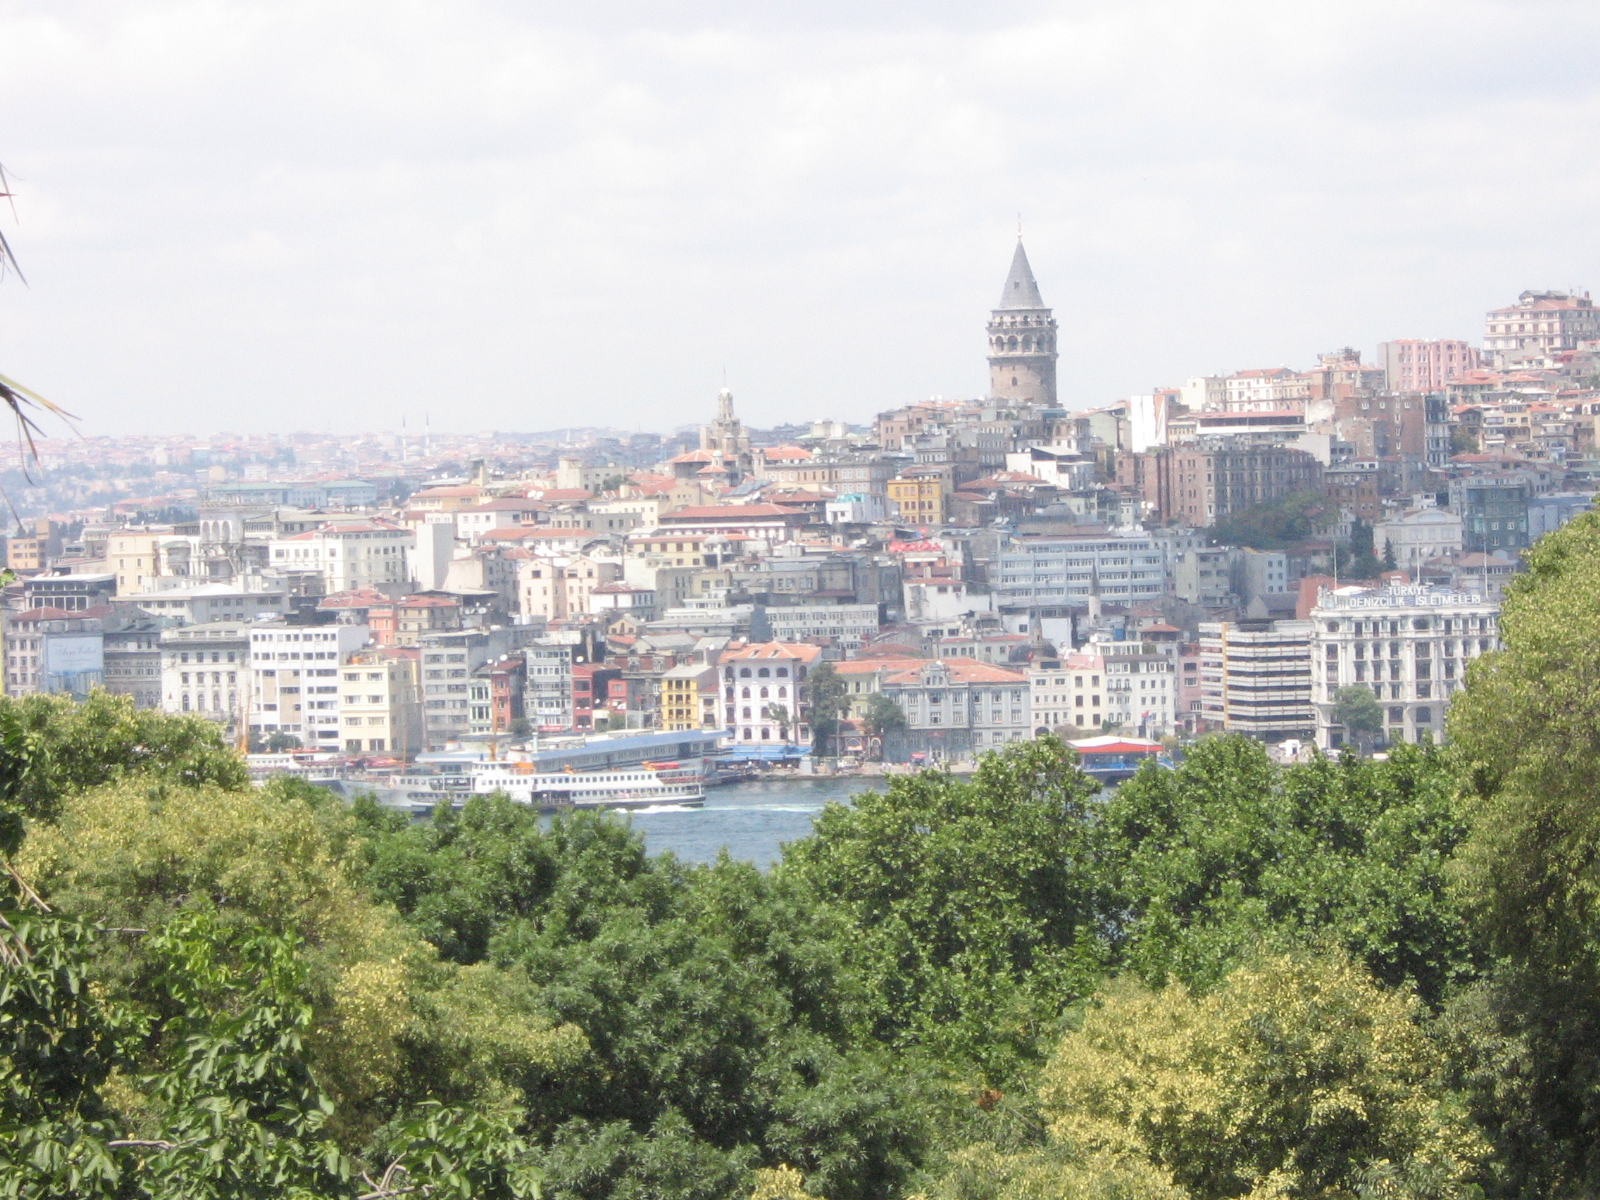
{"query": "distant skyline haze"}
[(332, 215)]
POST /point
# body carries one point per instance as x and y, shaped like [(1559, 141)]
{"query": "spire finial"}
[(1019, 227)]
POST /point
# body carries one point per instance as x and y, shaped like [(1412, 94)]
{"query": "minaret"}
[(1022, 340)]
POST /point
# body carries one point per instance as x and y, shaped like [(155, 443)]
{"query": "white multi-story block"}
[(350, 554), (294, 687), (1122, 567), (205, 669), (1409, 644)]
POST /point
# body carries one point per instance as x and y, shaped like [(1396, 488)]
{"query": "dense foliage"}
[(1273, 526), (1348, 978)]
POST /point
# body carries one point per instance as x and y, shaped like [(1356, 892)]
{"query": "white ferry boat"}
[(651, 786)]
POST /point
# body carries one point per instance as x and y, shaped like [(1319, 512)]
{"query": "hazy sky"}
[(322, 215)]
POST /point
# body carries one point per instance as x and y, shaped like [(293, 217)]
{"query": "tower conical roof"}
[(1021, 291)]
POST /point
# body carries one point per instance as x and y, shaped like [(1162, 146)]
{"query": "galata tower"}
[(1022, 340)]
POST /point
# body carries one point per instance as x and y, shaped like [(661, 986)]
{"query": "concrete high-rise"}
[(1022, 339)]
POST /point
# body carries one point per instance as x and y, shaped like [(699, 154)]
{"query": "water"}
[(752, 819)]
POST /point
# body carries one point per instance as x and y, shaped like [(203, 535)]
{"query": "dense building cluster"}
[(1236, 553)]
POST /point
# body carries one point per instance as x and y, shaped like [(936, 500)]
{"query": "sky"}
[(335, 214)]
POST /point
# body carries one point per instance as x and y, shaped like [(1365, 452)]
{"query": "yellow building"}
[(919, 500), (134, 560), (689, 698), (379, 708)]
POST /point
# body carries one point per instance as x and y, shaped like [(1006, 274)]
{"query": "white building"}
[(205, 670), (762, 693), (213, 601), (1071, 694), (350, 554), (1409, 644), (848, 625), (1418, 536), (1122, 567), (295, 679), (956, 708)]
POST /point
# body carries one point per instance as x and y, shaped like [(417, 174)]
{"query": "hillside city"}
[(1231, 554)]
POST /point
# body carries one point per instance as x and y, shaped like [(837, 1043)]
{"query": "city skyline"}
[(330, 218)]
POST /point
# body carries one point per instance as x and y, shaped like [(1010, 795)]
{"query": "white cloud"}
[(326, 214)]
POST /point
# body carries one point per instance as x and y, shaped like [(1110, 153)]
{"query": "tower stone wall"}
[(1022, 339)]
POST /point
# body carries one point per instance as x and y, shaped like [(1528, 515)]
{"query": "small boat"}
[(566, 791)]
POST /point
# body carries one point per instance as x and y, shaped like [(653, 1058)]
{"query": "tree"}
[(880, 717), (1272, 526), (779, 715), (828, 704), (1527, 736), (1360, 562), (50, 746), (1229, 852), (972, 904), (1358, 710), (1295, 1077)]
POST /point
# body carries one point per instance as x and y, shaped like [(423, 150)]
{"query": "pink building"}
[(1413, 365)]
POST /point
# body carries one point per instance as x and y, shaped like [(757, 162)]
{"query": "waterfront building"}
[(762, 690), (1068, 693), (1255, 678), (1410, 644), (955, 708)]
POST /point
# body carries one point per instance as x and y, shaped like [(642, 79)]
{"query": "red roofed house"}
[(956, 708), (770, 522), (764, 698)]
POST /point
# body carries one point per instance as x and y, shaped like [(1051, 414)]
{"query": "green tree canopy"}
[(1230, 852), (972, 904)]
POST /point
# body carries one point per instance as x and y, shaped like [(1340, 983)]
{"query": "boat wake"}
[(651, 810)]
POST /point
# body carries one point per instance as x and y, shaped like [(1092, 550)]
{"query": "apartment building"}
[(449, 660), (1542, 322), (1410, 644), (294, 687), (918, 499), (1203, 481), (1493, 510), (690, 696), (380, 701), (1255, 678), (763, 696), (132, 658), (349, 554), (1416, 365), (559, 588), (1069, 693), (548, 696)]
